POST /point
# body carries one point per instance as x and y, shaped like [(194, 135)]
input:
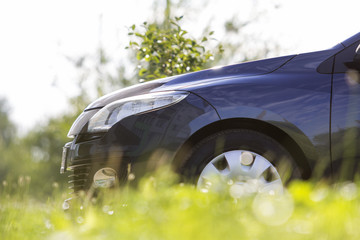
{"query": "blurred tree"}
[(15, 166), (7, 128), (95, 78), (242, 47), (99, 70), (165, 50), (44, 147), (7, 138), (34, 157)]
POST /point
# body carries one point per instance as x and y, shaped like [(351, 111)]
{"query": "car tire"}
[(239, 157)]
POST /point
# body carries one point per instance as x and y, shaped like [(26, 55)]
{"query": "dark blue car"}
[(251, 126)]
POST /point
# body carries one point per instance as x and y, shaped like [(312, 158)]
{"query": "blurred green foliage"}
[(167, 50), (7, 128), (161, 209), (7, 137), (35, 158), (44, 144)]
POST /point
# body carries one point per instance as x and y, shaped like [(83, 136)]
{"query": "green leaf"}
[(183, 32), (142, 71), (134, 43), (178, 18), (174, 23)]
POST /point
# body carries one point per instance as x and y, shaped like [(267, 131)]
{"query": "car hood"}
[(243, 69), (259, 67)]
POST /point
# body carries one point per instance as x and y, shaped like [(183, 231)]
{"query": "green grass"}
[(159, 209)]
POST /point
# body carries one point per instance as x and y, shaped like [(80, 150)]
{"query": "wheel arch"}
[(251, 124)]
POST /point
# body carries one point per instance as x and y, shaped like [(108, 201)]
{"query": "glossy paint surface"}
[(294, 98), (345, 120), (141, 138), (315, 109)]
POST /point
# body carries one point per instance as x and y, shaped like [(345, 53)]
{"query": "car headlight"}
[(115, 111)]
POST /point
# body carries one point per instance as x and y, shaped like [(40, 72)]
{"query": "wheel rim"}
[(242, 173)]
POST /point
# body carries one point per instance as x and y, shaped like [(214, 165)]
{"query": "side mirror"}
[(355, 64)]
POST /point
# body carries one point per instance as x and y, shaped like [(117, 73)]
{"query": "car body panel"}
[(295, 98), (259, 67), (298, 94), (345, 121), (243, 69), (138, 139)]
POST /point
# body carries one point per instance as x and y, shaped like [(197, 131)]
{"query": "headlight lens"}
[(114, 112)]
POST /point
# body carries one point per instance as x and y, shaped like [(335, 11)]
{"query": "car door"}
[(345, 115)]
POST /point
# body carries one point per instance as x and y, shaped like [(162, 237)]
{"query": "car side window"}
[(346, 55)]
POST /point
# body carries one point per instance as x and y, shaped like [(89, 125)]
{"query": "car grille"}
[(79, 178)]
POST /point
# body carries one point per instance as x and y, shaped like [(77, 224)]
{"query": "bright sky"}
[(36, 37)]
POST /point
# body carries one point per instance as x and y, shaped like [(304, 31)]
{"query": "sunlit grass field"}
[(159, 208)]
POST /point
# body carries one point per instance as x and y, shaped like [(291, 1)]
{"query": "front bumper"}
[(136, 141), (81, 160)]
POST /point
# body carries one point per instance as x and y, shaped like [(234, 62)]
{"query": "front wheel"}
[(243, 160)]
